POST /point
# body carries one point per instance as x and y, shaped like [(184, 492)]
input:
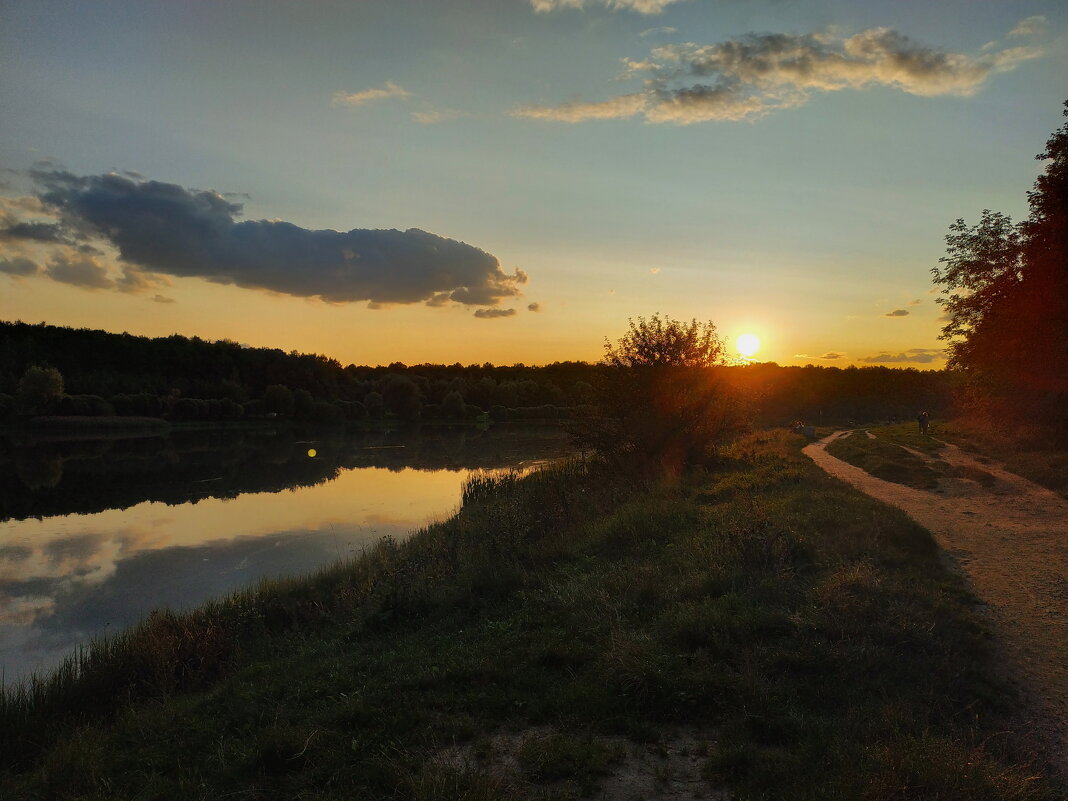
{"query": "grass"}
[(884, 457), (1025, 453), (812, 630)]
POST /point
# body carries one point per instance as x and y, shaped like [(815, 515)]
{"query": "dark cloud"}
[(534, 307), (489, 314), (35, 231), (163, 299), (917, 355), (897, 313), (17, 266), (15, 553), (168, 229)]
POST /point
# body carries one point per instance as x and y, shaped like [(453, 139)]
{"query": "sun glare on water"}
[(748, 344)]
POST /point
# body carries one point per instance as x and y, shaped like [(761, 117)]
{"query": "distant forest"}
[(186, 379)]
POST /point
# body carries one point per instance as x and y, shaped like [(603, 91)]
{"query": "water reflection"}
[(173, 521)]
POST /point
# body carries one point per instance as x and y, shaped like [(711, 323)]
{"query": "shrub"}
[(660, 404)]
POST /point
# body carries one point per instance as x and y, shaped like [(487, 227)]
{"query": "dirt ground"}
[(1009, 538)]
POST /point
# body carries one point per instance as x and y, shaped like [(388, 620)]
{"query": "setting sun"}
[(748, 345)]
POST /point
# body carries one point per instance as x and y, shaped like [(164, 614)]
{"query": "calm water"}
[(95, 534)]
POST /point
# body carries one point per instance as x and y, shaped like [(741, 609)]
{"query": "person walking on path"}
[(924, 420)]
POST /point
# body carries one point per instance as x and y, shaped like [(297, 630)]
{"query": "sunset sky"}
[(510, 180)]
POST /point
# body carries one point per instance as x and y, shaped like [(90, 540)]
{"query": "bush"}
[(39, 387), (83, 406), (660, 404), (141, 405), (325, 412)]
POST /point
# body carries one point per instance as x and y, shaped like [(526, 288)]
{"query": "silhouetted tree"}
[(1006, 300), (38, 387), (401, 397), (278, 399), (660, 404)]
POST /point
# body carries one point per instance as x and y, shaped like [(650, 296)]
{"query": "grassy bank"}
[(803, 641)]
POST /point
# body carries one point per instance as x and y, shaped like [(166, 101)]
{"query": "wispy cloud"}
[(756, 74), (490, 314), (829, 356), (1031, 26), (897, 313), (640, 6), (915, 302), (654, 270), (662, 30), (915, 355), (367, 95), (434, 116)]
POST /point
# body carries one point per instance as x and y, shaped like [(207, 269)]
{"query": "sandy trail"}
[(1010, 540)]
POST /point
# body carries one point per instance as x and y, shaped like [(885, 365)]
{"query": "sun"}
[(748, 345)]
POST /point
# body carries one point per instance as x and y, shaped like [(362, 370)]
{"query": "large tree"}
[(1005, 295)]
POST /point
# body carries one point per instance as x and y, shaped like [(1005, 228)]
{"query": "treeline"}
[(54, 370)]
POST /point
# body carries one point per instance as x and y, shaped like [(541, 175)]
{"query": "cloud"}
[(33, 231), (897, 313), (917, 355), (614, 109), (663, 29), (640, 6), (79, 270), (830, 356), (163, 299), (367, 95), (534, 307), (489, 314), (165, 229), (18, 266), (756, 74), (434, 116), (915, 302), (1030, 26), (654, 270)]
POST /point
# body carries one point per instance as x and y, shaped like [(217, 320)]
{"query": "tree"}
[(660, 404), (278, 398), (39, 387), (401, 397), (1005, 294)]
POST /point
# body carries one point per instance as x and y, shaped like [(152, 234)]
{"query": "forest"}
[(52, 370)]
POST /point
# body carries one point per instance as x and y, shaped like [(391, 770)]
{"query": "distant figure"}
[(924, 420), (801, 428)]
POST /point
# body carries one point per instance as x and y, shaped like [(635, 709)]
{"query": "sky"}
[(512, 180)]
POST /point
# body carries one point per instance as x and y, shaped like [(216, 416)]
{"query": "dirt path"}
[(1009, 537)]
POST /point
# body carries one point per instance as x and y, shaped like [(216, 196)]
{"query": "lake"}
[(96, 533)]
